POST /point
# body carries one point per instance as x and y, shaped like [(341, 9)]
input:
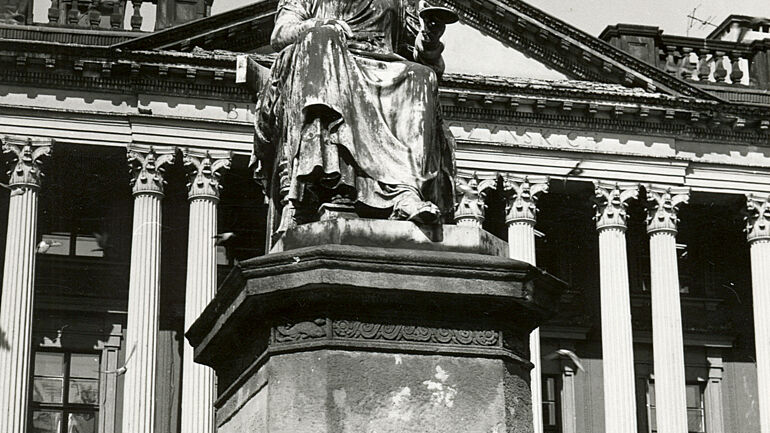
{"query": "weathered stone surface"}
[(392, 234), (349, 338)]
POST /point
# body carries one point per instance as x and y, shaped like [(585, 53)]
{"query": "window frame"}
[(651, 406), (557, 379), (65, 407)]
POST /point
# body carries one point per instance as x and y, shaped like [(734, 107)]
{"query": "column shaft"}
[(667, 340), (760, 281), (617, 339), (142, 321), (198, 380), (16, 308)]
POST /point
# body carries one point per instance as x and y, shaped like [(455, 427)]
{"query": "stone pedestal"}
[(325, 336)]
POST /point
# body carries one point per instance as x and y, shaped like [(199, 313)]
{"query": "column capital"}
[(521, 194), (610, 203), (663, 207), (758, 217), (147, 165), (204, 169), (470, 192), (25, 160)]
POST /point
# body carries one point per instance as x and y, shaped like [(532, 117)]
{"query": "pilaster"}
[(147, 165), (617, 342), (17, 303), (471, 190), (713, 395), (198, 381), (521, 194), (667, 338), (568, 407), (758, 235)]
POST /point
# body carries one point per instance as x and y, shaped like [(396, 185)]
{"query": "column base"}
[(336, 337)]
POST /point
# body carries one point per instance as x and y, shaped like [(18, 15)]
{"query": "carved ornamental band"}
[(758, 218), (610, 203), (663, 206), (471, 190), (204, 169), (521, 194), (147, 165), (25, 162)]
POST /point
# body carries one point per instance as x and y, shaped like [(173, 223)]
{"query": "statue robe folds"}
[(352, 117)]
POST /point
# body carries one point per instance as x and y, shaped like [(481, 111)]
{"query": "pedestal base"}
[(354, 338)]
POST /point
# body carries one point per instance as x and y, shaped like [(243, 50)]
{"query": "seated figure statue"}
[(350, 116)]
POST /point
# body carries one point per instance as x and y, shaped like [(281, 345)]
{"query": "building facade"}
[(642, 179)]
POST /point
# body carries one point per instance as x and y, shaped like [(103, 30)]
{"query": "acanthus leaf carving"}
[(758, 217), (663, 207), (611, 202), (147, 165), (521, 195), (26, 154), (204, 171), (470, 194)]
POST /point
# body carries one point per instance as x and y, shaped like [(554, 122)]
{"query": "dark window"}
[(65, 393), (695, 412), (551, 404)]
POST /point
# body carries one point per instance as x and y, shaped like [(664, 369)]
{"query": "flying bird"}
[(224, 238), (44, 246), (123, 368), (102, 241), (14, 191), (566, 353)]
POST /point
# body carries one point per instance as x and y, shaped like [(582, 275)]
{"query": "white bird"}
[(123, 368), (224, 238), (44, 246), (569, 354), (14, 191)]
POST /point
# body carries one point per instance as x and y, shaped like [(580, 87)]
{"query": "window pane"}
[(653, 420), (88, 247), (84, 365), (48, 390), (651, 393), (695, 420), (46, 421), (60, 243), (84, 391), (549, 414), (81, 423), (693, 396), (49, 364)]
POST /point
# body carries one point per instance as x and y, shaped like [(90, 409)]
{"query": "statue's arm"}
[(291, 21)]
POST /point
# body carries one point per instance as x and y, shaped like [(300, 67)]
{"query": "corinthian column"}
[(667, 339), (617, 341), (758, 234), (16, 305), (521, 195), (471, 191), (147, 165), (203, 191)]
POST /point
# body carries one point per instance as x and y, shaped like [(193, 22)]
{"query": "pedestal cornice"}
[(470, 193), (758, 217), (26, 154), (204, 169), (610, 203), (147, 165), (521, 194), (663, 207)]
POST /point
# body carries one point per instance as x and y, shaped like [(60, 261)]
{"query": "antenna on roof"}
[(703, 23)]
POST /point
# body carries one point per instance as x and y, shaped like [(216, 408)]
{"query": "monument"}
[(369, 313)]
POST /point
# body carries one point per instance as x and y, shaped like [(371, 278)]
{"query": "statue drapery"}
[(350, 114)]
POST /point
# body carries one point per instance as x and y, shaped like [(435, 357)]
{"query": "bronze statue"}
[(349, 118)]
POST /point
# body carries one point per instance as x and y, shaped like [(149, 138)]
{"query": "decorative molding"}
[(663, 206), (300, 331), (147, 165), (610, 203), (415, 334), (521, 194), (204, 169), (758, 217), (470, 193), (26, 153)]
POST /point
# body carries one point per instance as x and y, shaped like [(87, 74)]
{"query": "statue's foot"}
[(288, 220), (411, 208)]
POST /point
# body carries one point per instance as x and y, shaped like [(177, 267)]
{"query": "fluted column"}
[(470, 193), (617, 340), (198, 391), (16, 305), (667, 339), (758, 235), (521, 195), (147, 165)]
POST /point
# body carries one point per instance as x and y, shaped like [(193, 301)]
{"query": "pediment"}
[(527, 31)]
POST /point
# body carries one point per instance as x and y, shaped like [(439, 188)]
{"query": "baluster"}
[(704, 65), (720, 73), (136, 19), (672, 63), (53, 12), (74, 13), (687, 68), (736, 74), (94, 14)]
